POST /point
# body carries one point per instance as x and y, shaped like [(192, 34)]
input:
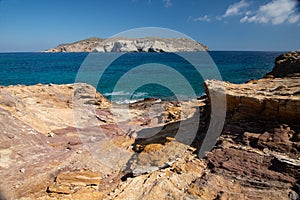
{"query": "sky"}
[(258, 25)]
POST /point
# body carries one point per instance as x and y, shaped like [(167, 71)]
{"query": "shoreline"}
[(76, 143)]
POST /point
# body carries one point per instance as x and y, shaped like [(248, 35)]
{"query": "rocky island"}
[(147, 44), (46, 154)]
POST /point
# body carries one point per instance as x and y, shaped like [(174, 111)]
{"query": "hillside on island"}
[(147, 44)]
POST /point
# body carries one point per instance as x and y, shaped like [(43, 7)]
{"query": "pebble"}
[(293, 195), (51, 134), (79, 152), (22, 170)]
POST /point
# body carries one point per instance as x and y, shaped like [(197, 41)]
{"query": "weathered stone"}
[(256, 156), (265, 99), (287, 64), (87, 194), (83, 178), (163, 184), (59, 188)]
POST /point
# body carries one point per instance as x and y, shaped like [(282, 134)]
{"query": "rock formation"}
[(271, 99), (286, 65), (148, 44), (108, 151)]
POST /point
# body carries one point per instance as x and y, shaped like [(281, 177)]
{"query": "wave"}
[(116, 97), (128, 101), (127, 97), (118, 93), (140, 94), (123, 93)]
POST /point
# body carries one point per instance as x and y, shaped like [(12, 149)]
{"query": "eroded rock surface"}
[(55, 138), (108, 151), (287, 64), (268, 98)]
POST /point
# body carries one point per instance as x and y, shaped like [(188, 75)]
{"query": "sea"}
[(129, 77)]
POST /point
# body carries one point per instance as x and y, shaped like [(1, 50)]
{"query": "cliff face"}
[(256, 156), (259, 147), (148, 44), (268, 98)]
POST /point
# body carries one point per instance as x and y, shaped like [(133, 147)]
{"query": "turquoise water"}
[(61, 68)]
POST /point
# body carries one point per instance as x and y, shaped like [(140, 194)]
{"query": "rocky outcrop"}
[(269, 98), (272, 99), (69, 142), (78, 185), (148, 44), (258, 150), (55, 133), (286, 65), (39, 140)]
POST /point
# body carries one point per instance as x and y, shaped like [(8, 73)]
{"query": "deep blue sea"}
[(133, 76)]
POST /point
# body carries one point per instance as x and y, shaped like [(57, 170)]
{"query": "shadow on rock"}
[(2, 196), (157, 148)]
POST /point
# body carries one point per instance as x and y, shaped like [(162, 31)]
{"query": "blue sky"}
[(266, 25)]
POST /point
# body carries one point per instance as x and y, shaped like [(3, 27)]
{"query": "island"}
[(119, 44)]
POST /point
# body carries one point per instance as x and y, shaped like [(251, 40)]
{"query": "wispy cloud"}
[(236, 8), (204, 18), (275, 12), (167, 3)]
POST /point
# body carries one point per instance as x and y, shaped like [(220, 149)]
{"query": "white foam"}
[(140, 94), (128, 101), (117, 93)]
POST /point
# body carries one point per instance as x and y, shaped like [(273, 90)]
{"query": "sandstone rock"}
[(162, 184), (256, 156), (271, 99), (217, 186), (286, 65), (87, 194), (83, 178), (243, 163), (46, 108), (28, 114), (59, 189), (64, 192), (80, 185)]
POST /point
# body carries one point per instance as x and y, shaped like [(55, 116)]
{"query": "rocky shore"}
[(69, 142), (147, 44)]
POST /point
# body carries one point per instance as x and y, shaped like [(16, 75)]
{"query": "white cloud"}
[(236, 8), (248, 12), (167, 3), (275, 12), (219, 18), (294, 19), (205, 18)]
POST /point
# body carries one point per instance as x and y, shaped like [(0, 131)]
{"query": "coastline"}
[(257, 152)]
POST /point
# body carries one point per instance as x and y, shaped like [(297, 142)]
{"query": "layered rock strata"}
[(48, 152)]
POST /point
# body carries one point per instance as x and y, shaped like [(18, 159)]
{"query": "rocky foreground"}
[(69, 142), (147, 44)]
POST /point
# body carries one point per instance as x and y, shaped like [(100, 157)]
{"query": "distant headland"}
[(147, 44)]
